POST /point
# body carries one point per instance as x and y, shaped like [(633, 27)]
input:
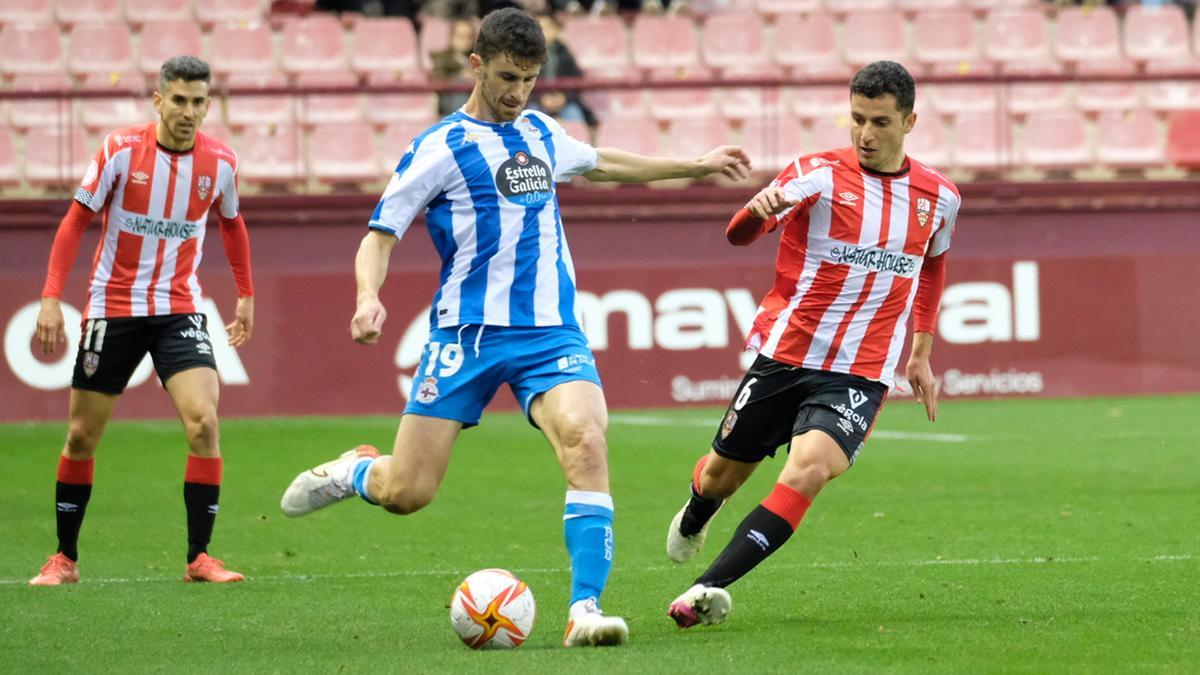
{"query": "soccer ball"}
[(492, 609)]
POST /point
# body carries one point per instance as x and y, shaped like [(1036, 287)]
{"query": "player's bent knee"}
[(403, 501), (810, 477), (81, 440)]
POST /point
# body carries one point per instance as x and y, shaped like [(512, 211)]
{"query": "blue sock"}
[(361, 470), (587, 527)]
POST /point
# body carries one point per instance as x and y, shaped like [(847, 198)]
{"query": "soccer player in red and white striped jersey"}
[(154, 185), (864, 234)]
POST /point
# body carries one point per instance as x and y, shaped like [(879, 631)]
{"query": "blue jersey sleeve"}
[(420, 176)]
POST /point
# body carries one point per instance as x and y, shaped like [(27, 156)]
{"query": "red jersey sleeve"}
[(800, 187), (66, 246), (929, 294)]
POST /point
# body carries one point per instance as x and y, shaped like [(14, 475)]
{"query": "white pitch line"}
[(638, 420), (389, 574)]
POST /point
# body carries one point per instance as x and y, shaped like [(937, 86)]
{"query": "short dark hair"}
[(186, 68), (886, 77), (514, 32)]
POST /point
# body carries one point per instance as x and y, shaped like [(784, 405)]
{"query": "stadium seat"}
[(56, 156), (956, 99), (1183, 139), (577, 130), (917, 6), (396, 139), (1087, 34), (1156, 34), (141, 12), (735, 39), (927, 142), (1016, 35), (313, 44), (690, 138), (314, 109), (849, 7), (780, 8), (270, 154), (827, 133), (100, 48), (40, 112), (738, 103), (600, 45), (343, 153), (945, 36), (668, 104), (1055, 139), (386, 47), (10, 173), (873, 36), (664, 42), (72, 12), (242, 12), (105, 114), (628, 133), (1024, 97), (618, 103), (434, 37), (1092, 96), (30, 48), (772, 142), (816, 102), (982, 142), (248, 109), (810, 47), (26, 11), (985, 6), (243, 49), (1129, 139), (219, 131), (163, 40), (391, 109)]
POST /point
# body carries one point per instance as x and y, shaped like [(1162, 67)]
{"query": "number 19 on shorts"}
[(444, 359)]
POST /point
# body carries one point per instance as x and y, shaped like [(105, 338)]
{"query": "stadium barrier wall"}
[(1040, 301)]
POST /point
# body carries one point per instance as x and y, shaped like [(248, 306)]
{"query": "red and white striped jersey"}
[(154, 204), (849, 258)]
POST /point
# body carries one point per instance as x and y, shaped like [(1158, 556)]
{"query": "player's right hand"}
[(367, 324), (769, 202), (51, 330)]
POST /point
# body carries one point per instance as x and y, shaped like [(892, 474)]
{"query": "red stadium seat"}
[(1037, 96), (396, 139), (738, 103), (1056, 139), (686, 139), (1130, 139), (30, 48), (956, 99), (817, 102), (243, 49), (827, 133), (681, 103), (914, 6), (210, 12), (141, 12), (734, 40), (873, 36), (945, 36), (248, 109), (664, 42), (386, 47), (1096, 96), (72, 12), (982, 142), (434, 37), (985, 6), (600, 45), (1170, 95), (577, 130), (1016, 35), (56, 156), (313, 44), (781, 8), (927, 142), (807, 45), (105, 114), (219, 131), (343, 153), (772, 142), (26, 11), (327, 108), (161, 41), (1183, 139), (1156, 34), (628, 133), (390, 109), (1087, 34), (618, 103), (9, 172), (848, 7), (40, 112), (270, 154), (100, 48)]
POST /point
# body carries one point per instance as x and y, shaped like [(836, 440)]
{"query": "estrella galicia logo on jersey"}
[(525, 180)]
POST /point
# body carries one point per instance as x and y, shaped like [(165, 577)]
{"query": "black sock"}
[(201, 502), (698, 512), (71, 502), (759, 535)]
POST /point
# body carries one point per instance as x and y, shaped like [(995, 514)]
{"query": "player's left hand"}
[(920, 376), (243, 322), (729, 160)]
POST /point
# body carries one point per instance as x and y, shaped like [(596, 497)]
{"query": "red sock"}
[(76, 472), (203, 470), (696, 474), (201, 494), (787, 504)]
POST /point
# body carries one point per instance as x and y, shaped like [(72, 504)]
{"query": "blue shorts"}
[(463, 367)]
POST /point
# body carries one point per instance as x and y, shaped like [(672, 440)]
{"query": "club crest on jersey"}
[(427, 391), (91, 361), (924, 207), (524, 179), (203, 187), (727, 424)]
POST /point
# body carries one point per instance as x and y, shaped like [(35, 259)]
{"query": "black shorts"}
[(111, 349), (776, 402)]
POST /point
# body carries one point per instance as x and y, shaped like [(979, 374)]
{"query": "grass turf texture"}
[(1058, 536)]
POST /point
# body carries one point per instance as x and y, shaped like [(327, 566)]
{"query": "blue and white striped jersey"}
[(492, 211)]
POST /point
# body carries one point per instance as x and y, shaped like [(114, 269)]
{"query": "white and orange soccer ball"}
[(492, 609)]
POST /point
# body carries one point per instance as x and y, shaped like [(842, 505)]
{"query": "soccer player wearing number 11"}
[(865, 235)]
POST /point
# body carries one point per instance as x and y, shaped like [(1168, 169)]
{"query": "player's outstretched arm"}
[(370, 270), (627, 167), (920, 374)]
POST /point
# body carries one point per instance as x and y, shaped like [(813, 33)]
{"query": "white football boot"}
[(324, 484), (700, 604), (588, 627), (681, 548)]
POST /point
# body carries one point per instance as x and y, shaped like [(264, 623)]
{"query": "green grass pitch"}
[(1034, 536)]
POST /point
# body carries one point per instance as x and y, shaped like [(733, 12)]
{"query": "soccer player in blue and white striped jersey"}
[(505, 312)]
